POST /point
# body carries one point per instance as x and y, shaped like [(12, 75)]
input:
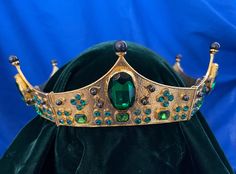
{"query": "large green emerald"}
[(80, 118), (122, 117), (121, 91), (163, 115)]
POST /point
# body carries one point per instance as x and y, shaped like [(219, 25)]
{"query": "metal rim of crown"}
[(90, 106)]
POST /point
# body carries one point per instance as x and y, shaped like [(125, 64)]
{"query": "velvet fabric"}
[(176, 148)]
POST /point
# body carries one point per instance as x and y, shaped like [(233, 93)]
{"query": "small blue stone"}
[(59, 113), (49, 111), (147, 119), (185, 108), (170, 97), (166, 93), (137, 112), (176, 117), (73, 101), (165, 104), (83, 102), (61, 121), (107, 113), (148, 111), (108, 122), (160, 99), (178, 109), (69, 122), (96, 114), (137, 120), (78, 97), (98, 122), (183, 116), (79, 107)]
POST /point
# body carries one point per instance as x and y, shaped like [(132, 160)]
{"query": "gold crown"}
[(121, 97)]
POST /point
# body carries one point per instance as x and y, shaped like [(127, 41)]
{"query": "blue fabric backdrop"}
[(37, 31)]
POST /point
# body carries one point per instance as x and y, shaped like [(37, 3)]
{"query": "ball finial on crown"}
[(120, 46)]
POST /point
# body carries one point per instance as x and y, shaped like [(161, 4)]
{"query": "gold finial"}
[(178, 58), (54, 67), (214, 48), (14, 60), (120, 48)]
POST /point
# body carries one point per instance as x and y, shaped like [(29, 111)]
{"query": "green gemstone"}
[(80, 118), (98, 122), (178, 109), (183, 116), (165, 104), (137, 112), (83, 102), (199, 103), (39, 110), (213, 85), (122, 117), (163, 115), (176, 117), (170, 97), (148, 111), (147, 119), (166, 93), (121, 91), (49, 111), (79, 107), (161, 99), (137, 120), (73, 101), (67, 113), (59, 113), (185, 108), (78, 97)]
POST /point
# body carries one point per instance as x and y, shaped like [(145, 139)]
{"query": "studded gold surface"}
[(62, 107)]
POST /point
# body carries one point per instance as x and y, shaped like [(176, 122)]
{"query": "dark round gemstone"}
[(28, 90), (13, 59), (29, 101), (100, 104), (58, 102), (120, 46), (93, 91), (199, 94), (54, 62), (151, 88), (144, 101), (215, 45), (185, 97)]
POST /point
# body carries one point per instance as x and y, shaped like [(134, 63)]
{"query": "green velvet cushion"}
[(184, 148)]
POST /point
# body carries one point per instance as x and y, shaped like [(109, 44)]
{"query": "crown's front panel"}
[(122, 98)]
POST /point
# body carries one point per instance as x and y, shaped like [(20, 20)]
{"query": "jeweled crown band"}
[(122, 97)]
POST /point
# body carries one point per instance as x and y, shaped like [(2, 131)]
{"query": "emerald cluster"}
[(78, 102), (165, 98)]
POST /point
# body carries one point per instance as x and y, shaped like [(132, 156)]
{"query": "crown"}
[(121, 97)]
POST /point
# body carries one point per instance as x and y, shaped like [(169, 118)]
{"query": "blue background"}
[(37, 31)]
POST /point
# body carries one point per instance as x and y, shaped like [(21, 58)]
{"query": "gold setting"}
[(62, 107)]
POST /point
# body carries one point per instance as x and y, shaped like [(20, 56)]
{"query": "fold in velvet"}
[(178, 148)]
